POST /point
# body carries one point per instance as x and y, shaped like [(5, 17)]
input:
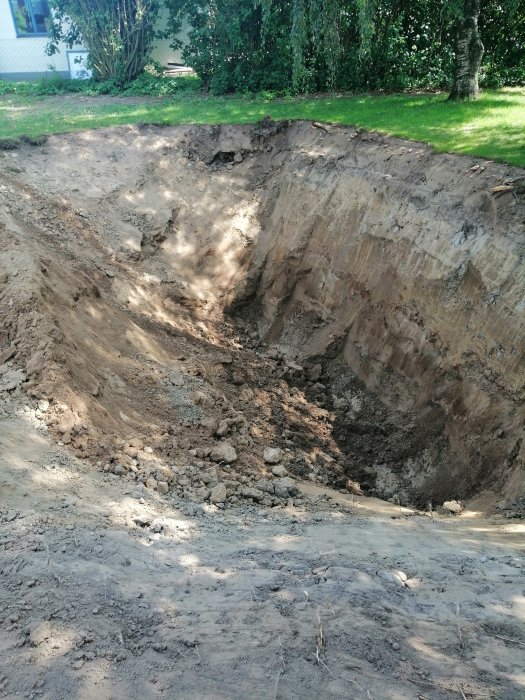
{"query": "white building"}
[(24, 26)]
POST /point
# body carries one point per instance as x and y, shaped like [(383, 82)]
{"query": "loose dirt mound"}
[(376, 290)]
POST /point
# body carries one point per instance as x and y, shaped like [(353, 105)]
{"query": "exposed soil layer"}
[(356, 300), (202, 331)]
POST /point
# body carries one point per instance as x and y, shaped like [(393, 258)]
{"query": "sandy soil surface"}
[(107, 596)]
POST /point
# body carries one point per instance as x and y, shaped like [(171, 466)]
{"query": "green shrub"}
[(145, 84), (251, 46), (500, 76)]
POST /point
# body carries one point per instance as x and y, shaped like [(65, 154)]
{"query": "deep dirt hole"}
[(353, 299)]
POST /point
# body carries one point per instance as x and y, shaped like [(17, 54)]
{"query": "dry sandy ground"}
[(104, 596)]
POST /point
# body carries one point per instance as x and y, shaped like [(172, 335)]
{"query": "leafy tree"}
[(316, 45), (118, 33), (235, 45), (503, 34), (469, 48), (319, 45)]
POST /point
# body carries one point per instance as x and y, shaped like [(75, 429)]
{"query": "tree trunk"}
[(469, 52)]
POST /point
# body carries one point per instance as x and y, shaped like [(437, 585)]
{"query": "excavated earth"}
[(176, 301)]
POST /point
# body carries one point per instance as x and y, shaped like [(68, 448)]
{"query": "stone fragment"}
[(209, 476), (272, 455), (223, 452), (353, 487), (247, 394), (210, 425), (11, 379), (223, 428), (453, 507), (285, 487), (264, 485), (162, 487), (279, 470), (218, 493)]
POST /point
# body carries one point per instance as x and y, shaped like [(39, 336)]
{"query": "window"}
[(32, 17)]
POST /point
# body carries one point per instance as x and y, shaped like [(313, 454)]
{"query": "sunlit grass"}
[(492, 127)]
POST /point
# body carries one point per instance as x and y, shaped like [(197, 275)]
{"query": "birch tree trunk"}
[(469, 52)]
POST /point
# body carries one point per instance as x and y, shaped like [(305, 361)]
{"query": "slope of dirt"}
[(377, 288), (201, 329), (107, 596)]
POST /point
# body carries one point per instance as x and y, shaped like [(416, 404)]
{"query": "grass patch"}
[(492, 127)]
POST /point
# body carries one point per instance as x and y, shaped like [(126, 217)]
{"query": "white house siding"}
[(162, 53), (24, 58)]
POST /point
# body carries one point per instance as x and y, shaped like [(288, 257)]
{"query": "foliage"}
[(318, 45), (503, 33), (118, 34), (235, 45), (146, 84)]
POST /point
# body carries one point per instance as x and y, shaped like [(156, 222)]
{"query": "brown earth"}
[(104, 595), (175, 301), (386, 281)]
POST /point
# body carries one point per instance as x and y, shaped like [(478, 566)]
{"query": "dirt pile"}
[(373, 294)]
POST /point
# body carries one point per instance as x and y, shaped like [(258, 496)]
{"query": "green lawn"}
[(492, 127)]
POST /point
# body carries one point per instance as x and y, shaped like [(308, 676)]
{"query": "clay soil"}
[(164, 320)]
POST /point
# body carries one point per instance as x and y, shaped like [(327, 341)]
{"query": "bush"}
[(118, 33), (231, 50), (145, 84), (321, 45), (499, 76)]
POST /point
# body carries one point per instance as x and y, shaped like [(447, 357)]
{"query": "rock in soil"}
[(218, 493), (272, 455), (453, 507), (223, 452)]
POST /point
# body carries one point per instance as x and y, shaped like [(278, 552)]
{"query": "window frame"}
[(29, 8)]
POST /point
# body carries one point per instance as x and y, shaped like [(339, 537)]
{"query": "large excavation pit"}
[(356, 300), (217, 346)]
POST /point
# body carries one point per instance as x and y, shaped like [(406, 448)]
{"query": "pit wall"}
[(392, 276), (410, 265)]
